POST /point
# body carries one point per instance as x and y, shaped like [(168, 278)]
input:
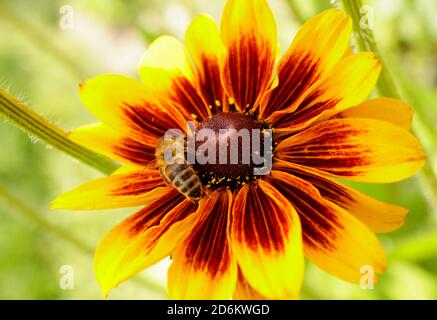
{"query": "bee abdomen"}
[(185, 179), (195, 193), (175, 172)]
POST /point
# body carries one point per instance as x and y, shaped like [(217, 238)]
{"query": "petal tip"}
[(56, 204), (62, 202), (105, 294)]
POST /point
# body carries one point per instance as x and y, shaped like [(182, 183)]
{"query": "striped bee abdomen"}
[(185, 180)]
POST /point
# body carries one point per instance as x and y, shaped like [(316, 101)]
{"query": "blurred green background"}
[(42, 62)]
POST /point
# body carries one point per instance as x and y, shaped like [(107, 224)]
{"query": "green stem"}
[(366, 42), (387, 87), (34, 124), (32, 215), (42, 41)]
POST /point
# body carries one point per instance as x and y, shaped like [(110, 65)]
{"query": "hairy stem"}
[(366, 42), (37, 126)]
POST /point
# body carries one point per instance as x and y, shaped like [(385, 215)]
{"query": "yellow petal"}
[(128, 106), (143, 239), (387, 109), (244, 291), (127, 168), (249, 34), (116, 191), (203, 265), (319, 44), (267, 241), (349, 83), (130, 167), (377, 215), (169, 54), (366, 150), (166, 71), (333, 239), (109, 142), (206, 48)]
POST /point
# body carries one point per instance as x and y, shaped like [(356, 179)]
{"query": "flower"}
[(248, 235)]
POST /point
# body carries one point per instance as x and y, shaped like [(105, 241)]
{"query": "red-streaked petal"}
[(109, 142), (116, 191), (333, 239), (206, 48), (349, 83), (249, 35), (318, 46), (203, 264), (143, 239), (267, 242), (366, 150), (377, 215), (166, 70), (387, 109), (129, 107)]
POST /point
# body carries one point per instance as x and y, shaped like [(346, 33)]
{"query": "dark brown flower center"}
[(228, 149)]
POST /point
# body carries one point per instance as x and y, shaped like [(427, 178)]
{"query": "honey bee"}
[(179, 172)]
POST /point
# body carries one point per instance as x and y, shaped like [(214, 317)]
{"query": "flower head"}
[(232, 231)]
